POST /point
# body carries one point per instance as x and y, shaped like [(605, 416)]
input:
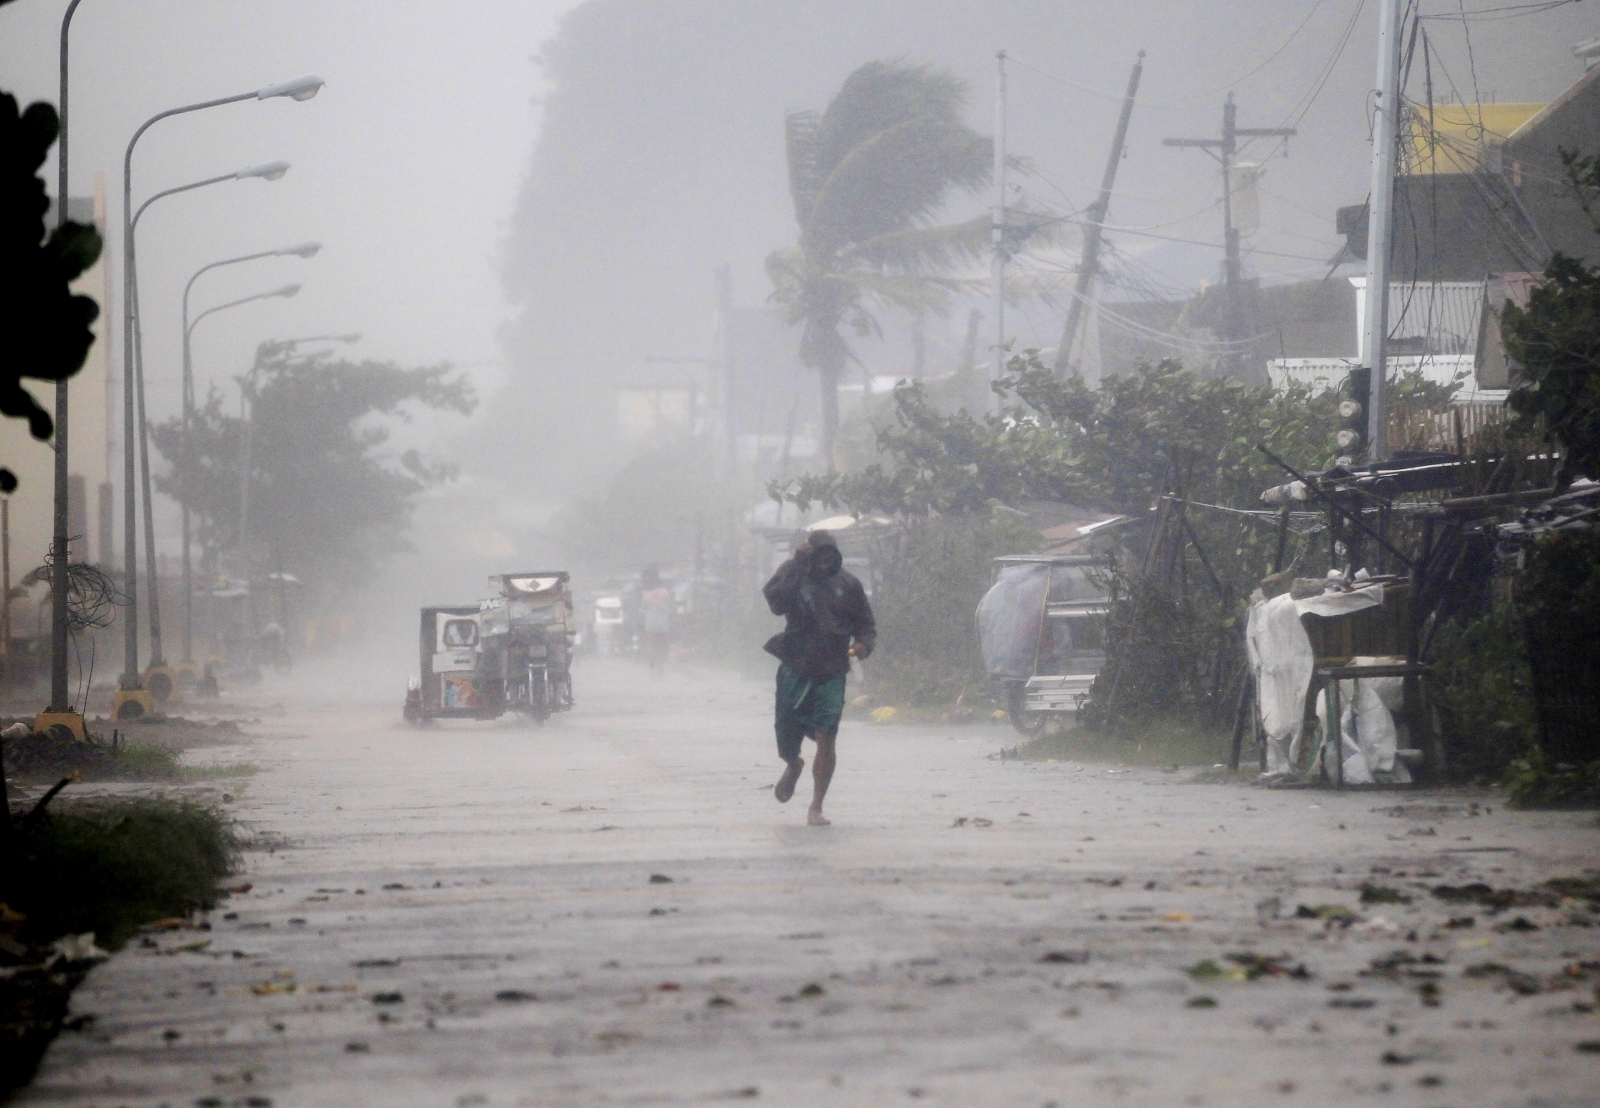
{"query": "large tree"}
[(868, 178), (326, 502)]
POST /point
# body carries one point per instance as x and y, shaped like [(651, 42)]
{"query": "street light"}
[(301, 88), (302, 250), (267, 171), (60, 708)]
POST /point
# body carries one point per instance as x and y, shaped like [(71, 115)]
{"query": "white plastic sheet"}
[(1281, 659), (1368, 734), (1009, 618)]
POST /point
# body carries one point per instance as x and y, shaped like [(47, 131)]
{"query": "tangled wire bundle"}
[(92, 596)]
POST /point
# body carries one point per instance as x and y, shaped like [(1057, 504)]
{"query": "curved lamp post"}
[(267, 171), (302, 250), (301, 88), (60, 560)]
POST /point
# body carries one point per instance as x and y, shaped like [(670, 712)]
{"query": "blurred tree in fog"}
[(45, 327), (867, 177), (326, 502), (654, 510)]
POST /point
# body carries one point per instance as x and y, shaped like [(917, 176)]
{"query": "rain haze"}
[(1147, 555)]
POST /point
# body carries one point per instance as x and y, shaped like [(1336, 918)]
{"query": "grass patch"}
[(1159, 743), (218, 771), (112, 867), (41, 758), (108, 868)]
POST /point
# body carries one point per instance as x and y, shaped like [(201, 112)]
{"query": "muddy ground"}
[(612, 909)]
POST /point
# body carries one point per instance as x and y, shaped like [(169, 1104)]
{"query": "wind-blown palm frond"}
[(912, 293), (895, 180), (927, 250), (800, 142)]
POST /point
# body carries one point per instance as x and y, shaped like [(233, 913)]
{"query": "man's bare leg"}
[(785, 786), (821, 776)]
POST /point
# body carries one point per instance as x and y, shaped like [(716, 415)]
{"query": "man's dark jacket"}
[(825, 606)]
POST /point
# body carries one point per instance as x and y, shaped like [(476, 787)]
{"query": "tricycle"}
[(1042, 629), (510, 652)]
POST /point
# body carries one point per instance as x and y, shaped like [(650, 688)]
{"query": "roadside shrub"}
[(111, 868), (1483, 693), (1534, 783)]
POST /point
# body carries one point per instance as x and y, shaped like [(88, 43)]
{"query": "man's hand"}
[(858, 650)]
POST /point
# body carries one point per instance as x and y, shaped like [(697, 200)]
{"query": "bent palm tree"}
[(867, 177)]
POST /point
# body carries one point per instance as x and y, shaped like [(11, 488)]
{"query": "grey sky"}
[(405, 167)]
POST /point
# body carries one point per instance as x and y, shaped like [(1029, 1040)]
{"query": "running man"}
[(826, 608)]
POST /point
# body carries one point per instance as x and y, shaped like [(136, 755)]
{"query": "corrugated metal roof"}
[(1435, 318)]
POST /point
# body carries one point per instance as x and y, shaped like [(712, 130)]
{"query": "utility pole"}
[(60, 540), (998, 263), (1224, 151), (1093, 227), (1380, 217)]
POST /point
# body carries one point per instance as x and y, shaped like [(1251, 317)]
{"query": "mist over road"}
[(480, 914)]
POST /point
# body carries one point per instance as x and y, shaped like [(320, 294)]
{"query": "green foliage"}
[(1117, 448), (931, 574), (1533, 783), (1560, 587), (114, 867), (867, 177), (1483, 693), (46, 327), (1556, 340), (326, 504)]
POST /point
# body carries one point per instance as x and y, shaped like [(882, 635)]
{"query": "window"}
[(460, 633)]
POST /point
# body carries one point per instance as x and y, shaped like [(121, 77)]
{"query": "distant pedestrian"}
[(656, 602), (825, 608)]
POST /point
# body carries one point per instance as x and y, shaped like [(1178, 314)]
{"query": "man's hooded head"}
[(825, 556)]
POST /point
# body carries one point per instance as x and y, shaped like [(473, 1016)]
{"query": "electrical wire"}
[(1508, 11)]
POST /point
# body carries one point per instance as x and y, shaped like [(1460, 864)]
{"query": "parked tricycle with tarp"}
[(1042, 629)]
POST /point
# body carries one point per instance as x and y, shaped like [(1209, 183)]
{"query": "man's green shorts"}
[(805, 707)]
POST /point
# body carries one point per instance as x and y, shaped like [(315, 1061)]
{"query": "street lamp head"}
[(303, 250), (267, 171), (301, 88), (286, 291)]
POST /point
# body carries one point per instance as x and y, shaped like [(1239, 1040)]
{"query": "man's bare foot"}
[(784, 789), (816, 819)]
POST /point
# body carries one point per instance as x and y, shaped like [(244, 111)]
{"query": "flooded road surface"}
[(612, 909)]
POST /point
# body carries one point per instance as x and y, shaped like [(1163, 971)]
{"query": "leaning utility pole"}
[(1094, 225), (997, 264), (1224, 150), (1380, 217)]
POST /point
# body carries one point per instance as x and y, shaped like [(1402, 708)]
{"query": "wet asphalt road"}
[(613, 910)]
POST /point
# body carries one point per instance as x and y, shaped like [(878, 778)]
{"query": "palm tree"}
[(868, 176)]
